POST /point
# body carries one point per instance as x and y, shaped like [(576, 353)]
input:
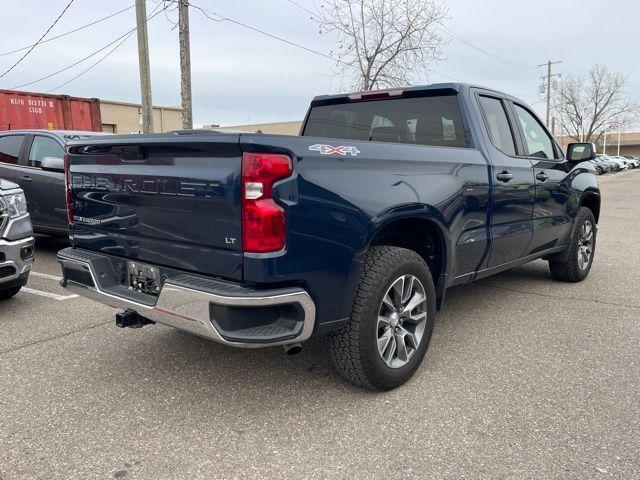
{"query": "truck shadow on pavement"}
[(181, 361)]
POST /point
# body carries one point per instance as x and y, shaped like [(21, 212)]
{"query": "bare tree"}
[(586, 106), (382, 43)]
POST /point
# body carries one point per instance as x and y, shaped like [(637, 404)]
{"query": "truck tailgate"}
[(171, 202)]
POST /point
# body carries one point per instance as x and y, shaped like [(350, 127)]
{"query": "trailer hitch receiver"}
[(131, 319)]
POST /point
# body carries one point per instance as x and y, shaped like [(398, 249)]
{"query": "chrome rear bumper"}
[(202, 310)]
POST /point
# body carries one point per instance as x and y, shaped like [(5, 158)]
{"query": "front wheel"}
[(391, 321), (581, 248)]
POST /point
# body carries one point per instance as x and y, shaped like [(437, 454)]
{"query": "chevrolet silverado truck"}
[(353, 230), (16, 240)]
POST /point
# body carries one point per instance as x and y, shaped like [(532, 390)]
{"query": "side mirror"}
[(53, 164), (581, 152)]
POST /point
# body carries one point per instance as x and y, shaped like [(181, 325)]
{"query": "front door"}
[(44, 189), (551, 221), (513, 186)]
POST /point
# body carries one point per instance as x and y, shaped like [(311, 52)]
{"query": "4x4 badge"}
[(330, 150)]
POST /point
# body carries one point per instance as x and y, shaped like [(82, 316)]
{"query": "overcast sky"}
[(241, 76)]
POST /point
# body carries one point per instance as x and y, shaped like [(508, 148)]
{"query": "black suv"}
[(34, 160)]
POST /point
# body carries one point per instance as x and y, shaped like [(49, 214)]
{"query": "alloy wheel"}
[(585, 245), (402, 318)]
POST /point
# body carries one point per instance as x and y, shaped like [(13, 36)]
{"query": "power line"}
[(508, 61), (221, 18), (153, 14), (104, 57), (39, 40), (301, 7), (451, 33), (82, 27)]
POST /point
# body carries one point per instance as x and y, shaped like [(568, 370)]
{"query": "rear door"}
[(551, 221), (44, 189), (513, 183)]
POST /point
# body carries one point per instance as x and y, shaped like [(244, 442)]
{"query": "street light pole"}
[(618, 141)]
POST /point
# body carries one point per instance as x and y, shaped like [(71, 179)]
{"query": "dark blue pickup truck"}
[(353, 230)]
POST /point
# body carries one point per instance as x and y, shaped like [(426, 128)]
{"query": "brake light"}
[(263, 220), (67, 188), (376, 94)]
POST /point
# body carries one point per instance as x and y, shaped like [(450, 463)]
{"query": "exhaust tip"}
[(292, 348)]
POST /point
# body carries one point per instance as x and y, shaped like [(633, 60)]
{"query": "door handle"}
[(26, 178), (504, 176), (543, 177)]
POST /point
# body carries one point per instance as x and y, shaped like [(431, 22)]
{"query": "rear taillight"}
[(263, 220), (67, 188)]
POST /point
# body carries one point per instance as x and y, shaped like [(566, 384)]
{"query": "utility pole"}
[(185, 64), (143, 61), (604, 146), (548, 80)]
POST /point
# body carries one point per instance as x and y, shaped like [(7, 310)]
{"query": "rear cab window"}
[(433, 120)]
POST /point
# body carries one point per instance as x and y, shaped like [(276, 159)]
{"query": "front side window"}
[(431, 120), (538, 141), (10, 148), (44, 147), (498, 125)]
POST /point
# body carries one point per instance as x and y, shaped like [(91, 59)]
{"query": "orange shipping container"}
[(27, 110)]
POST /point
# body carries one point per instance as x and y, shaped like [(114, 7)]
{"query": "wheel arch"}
[(425, 235), (591, 200)]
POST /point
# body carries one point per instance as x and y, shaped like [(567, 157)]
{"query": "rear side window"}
[(434, 120), (10, 148), (498, 125), (44, 147)]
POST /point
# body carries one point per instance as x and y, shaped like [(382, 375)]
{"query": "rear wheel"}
[(391, 321), (7, 293), (581, 250)]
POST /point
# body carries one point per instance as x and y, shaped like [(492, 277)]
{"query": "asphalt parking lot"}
[(525, 378)]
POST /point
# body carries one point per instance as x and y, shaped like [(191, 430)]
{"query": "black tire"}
[(7, 293), (354, 348), (571, 270)]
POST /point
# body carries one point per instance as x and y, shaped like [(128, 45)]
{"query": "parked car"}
[(34, 160), (601, 166), (633, 161), (621, 161), (353, 230), (616, 165), (16, 240)]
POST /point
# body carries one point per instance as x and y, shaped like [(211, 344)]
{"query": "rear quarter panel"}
[(336, 205)]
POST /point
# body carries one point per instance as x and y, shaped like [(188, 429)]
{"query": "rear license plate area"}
[(143, 278)]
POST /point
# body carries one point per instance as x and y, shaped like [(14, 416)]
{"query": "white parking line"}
[(46, 275), (55, 296)]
